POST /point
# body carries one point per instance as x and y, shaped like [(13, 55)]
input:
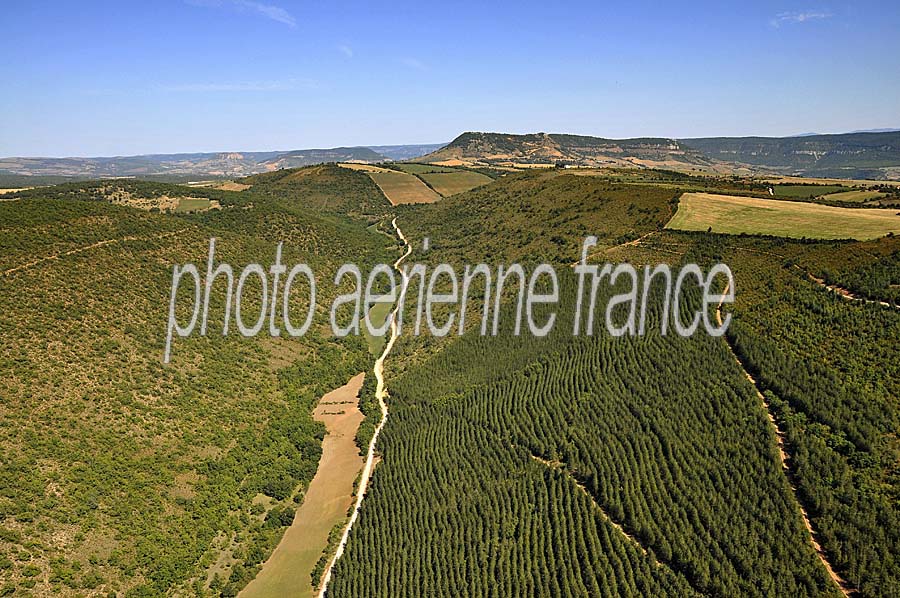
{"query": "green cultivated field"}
[(736, 215), (378, 314), (192, 204), (806, 191)]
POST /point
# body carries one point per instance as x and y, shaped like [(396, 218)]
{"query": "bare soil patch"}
[(326, 503)]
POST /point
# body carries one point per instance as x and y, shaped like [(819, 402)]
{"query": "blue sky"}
[(119, 78)]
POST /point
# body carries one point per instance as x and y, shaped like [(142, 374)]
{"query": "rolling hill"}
[(550, 148), (309, 157)]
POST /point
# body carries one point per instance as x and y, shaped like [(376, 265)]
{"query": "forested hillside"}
[(599, 466), (125, 476)]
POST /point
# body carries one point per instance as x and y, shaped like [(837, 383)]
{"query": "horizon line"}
[(875, 131)]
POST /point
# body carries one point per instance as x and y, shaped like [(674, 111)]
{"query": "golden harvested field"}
[(233, 186), (363, 167), (451, 183), (328, 498), (402, 188), (735, 215), (857, 196), (799, 180)]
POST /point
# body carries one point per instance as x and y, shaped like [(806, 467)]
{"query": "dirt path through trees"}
[(86, 248), (381, 394), (845, 587)]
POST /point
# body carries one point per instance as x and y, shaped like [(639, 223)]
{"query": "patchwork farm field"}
[(735, 215), (402, 188), (451, 183)]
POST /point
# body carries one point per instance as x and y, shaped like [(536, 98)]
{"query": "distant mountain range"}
[(501, 149), (848, 155), (873, 155), (223, 164), (869, 155)]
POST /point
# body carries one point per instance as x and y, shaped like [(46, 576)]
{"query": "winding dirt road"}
[(847, 294), (380, 394)]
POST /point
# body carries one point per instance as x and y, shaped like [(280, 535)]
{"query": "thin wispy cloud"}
[(796, 17), (413, 63), (269, 11), (345, 50), (210, 87)]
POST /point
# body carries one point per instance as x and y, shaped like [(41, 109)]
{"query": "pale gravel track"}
[(380, 393)]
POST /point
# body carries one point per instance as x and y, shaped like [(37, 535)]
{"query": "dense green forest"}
[(464, 503)]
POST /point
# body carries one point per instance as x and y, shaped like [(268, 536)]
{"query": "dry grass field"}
[(402, 188), (330, 494), (451, 183), (233, 186), (736, 215), (857, 196)]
